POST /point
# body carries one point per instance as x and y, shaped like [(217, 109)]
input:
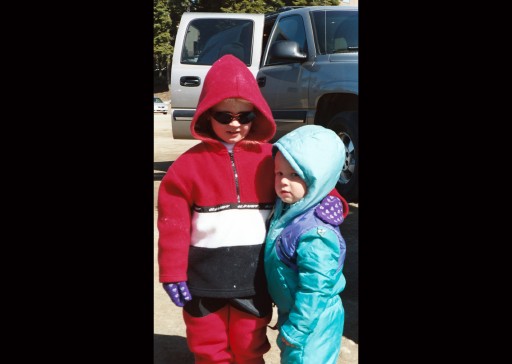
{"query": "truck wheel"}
[(345, 125)]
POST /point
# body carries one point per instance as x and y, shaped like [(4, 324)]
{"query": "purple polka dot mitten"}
[(178, 292), (330, 210)]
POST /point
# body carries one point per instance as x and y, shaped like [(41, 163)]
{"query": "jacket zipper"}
[(232, 158)]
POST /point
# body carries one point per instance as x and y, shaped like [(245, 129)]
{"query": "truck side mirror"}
[(286, 50)]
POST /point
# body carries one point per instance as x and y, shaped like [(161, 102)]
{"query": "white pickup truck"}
[(305, 60)]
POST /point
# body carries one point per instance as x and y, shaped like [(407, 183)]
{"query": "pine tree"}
[(162, 48), (251, 6)]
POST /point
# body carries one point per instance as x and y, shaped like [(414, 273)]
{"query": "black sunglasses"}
[(226, 117)]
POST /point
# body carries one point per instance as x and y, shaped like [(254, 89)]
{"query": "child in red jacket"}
[(212, 207)]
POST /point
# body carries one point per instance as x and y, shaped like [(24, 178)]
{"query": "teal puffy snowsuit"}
[(310, 311)]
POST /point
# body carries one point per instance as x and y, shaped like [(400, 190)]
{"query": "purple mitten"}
[(178, 292)]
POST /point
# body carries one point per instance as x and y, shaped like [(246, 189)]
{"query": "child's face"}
[(234, 131), (288, 185)]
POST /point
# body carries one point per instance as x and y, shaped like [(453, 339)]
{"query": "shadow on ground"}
[(171, 349), (350, 295)]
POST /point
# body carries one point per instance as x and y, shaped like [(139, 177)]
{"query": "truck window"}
[(209, 39), (335, 31), (290, 28), (267, 29)]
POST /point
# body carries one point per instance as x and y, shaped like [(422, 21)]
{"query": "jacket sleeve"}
[(317, 261), (174, 221)]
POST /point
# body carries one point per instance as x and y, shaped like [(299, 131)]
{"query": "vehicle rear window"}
[(336, 31), (209, 39)]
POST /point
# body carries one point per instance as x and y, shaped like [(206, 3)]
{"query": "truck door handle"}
[(262, 81), (190, 81)]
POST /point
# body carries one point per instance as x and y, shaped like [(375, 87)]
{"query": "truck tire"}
[(345, 124)]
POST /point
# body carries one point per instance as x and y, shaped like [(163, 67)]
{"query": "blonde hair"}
[(238, 99)]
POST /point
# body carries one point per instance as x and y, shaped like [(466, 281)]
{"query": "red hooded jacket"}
[(212, 204)]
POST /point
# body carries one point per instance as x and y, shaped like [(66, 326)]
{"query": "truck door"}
[(284, 83)]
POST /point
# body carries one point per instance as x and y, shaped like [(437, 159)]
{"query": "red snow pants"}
[(227, 336)]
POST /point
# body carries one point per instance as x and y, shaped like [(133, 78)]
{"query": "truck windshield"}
[(209, 39)]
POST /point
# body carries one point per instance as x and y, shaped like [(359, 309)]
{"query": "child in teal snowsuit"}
[(304, 250)]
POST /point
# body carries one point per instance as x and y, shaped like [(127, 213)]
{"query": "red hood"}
[(227, 78)]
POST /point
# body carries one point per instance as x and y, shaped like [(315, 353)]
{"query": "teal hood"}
[(317, 154)]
